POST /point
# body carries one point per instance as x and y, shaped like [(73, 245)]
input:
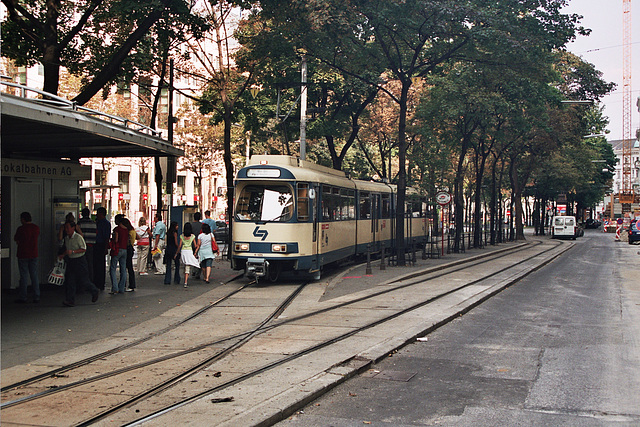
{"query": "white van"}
[(564, 227)]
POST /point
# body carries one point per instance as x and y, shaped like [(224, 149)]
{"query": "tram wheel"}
[(274, 272)]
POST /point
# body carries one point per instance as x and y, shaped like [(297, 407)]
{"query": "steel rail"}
[(115, 350), (342, 337), (450, 268)]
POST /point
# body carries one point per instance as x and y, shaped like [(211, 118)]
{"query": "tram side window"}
[(365, 205), (329, 204), (386, 206), (347, 204), (414, 206), (338, 204), (303, 202)]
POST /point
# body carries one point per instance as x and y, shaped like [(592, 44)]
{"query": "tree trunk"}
[(517, 200), (477, 228), (402, 173)]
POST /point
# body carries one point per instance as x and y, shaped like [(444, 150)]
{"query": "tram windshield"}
[(265, 203)]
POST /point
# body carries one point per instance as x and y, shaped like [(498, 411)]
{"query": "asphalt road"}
[(561, 347)]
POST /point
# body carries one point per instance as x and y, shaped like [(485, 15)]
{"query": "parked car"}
[(634, 233), (592, 223), (222, 232)]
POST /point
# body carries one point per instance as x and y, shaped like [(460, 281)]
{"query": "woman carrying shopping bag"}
[(205, 250)]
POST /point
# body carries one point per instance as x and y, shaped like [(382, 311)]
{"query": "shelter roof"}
[(55, 128)]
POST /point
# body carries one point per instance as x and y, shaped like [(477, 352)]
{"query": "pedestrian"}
[(186, 252), (142, 236), (196, 227), (89, 229), (207, 220), (172, 250), (77, 272), (70, 217), (119, 241), (100, 248), (159, 235), (26, 238), (131, 274), (204, 251)]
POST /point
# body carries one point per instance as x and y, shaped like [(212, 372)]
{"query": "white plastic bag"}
[(56, 276)]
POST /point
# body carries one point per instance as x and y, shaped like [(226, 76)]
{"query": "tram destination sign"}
[(443, 198)]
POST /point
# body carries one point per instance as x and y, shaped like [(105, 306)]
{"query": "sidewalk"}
[(31, 331)]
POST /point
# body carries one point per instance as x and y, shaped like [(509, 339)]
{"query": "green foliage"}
[(87, 37)]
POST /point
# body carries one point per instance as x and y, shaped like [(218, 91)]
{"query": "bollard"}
[(413, 252), (382, 262), (368, 271)]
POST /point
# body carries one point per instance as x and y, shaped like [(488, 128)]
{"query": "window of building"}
[(181, 184), (124, 89), (21, 75), (99, 177), (144, 183), (123, 181)]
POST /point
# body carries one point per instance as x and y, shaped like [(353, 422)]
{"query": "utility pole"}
[(303, 110), (626, 195)]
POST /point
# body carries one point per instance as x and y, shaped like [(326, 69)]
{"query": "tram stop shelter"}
[(42, 141)]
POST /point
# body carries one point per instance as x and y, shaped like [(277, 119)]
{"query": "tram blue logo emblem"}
[(260, 233)]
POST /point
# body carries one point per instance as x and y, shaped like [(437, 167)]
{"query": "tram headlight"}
[(242, 247), (279, 247)]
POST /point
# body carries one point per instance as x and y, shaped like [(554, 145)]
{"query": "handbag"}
[(156, 253), (113, 248), (214, 245), (56, 275)]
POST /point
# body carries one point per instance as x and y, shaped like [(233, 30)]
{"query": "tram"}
[(294, 215)]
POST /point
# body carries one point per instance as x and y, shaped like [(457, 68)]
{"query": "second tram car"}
[(294, 215)]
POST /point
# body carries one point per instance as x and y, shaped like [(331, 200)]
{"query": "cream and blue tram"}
[(294, 215)]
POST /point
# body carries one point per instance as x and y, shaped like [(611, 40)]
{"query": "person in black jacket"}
[(170, 252)]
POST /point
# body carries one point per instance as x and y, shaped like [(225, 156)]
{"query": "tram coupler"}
[(257, 267)]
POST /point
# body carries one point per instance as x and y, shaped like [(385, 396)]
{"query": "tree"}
[(201, 143), (226, 84), (413, 39), (93, 39)]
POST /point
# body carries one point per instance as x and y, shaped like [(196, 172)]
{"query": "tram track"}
[(82, 362), (57, 372), (327, 343), (268, 324), (240, 337)]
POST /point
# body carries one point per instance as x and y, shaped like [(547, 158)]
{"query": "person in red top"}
[(120, 237), (27, 239)]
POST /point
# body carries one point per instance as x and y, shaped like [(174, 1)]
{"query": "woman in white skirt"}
[(185, 249), (204, 250)]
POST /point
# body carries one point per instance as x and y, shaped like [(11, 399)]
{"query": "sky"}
[(603, 48)]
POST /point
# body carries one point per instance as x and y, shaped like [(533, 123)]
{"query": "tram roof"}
[(33, 128), (308, 171)]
